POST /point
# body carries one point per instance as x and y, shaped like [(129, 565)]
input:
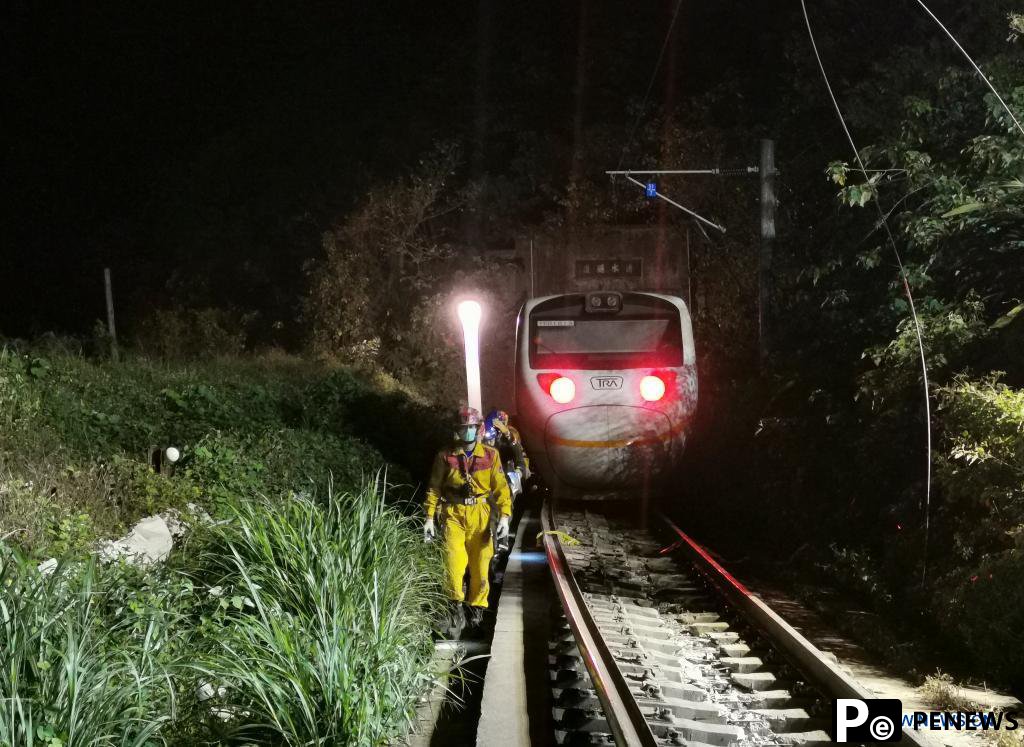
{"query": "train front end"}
[(606, 389)]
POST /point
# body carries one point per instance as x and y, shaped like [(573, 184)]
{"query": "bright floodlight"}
[(469, 315), (172, 454), (470, 312)]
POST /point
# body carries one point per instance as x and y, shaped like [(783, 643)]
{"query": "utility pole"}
[(111, 330), (533, 289), (689, 284), (764, 268)]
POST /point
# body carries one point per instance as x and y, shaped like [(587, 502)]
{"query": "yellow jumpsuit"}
[(467, 529)]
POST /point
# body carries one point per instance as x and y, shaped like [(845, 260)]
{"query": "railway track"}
[(662, 646)]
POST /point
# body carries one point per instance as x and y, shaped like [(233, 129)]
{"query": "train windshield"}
[(646, 332)]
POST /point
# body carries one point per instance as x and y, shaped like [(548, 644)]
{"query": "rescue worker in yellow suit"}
[(510, 434), (467, 483)]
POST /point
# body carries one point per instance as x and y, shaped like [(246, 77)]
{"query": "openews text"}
[(883, 720)]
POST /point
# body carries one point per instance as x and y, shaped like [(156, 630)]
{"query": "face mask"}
[(467, 434)]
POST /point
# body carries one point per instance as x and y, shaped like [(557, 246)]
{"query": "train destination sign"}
[(608, 268)]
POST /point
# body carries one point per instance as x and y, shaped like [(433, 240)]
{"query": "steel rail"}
[(823, 672), (626, 721)]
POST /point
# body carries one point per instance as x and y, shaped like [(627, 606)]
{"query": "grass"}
[(332, 638), (71, 676), (75, 435), (941, 692), (320, 630), (317, 632), (1004, 738)]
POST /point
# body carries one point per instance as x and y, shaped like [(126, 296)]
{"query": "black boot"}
[(474, 623), (455, 622), (475, 616)]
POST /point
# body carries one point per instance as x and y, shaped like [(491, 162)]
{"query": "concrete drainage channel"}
[(470, 702)]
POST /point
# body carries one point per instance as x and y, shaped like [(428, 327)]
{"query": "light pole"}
[(469, 314)]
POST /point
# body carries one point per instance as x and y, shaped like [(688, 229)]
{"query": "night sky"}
[(161, 138)]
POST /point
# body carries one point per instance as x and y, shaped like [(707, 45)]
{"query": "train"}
[(605, 391)]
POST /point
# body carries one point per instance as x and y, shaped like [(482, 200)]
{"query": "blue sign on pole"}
[(652, 189)]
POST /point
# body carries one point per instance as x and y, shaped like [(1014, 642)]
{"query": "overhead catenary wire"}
[(636, 123), (671, 172), (692, 214), (974, 64), (906, 288), (650, 84)]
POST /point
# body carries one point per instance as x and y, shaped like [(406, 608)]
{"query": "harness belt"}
[(472, 501), (465, 501)]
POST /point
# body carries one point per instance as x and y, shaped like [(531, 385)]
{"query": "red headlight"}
[(562, 390), (652, 388)]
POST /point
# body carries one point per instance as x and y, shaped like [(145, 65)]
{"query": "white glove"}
[(429, 531), (502, 531)]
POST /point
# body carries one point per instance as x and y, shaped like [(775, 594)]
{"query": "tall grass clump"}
[(70, 677), (333, 603)]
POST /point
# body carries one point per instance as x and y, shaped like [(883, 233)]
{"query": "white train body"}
[(621, 425)]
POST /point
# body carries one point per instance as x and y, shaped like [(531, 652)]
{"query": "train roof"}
[(674, 300)]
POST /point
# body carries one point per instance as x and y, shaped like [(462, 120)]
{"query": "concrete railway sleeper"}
[(654, 649)]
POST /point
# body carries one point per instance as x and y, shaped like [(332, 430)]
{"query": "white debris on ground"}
[(175, 525), (206, 691), (152, 539), (149, 541)]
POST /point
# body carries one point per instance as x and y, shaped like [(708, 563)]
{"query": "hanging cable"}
[(973, 64), (906, 288), (650, 85)]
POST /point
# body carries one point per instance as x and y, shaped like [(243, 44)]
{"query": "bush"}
[(942, 693), (983, 609), (193, 334), (981, 472), (321, 628), (979, 596)]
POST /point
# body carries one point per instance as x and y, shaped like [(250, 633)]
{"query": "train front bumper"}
[(609, 447)]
